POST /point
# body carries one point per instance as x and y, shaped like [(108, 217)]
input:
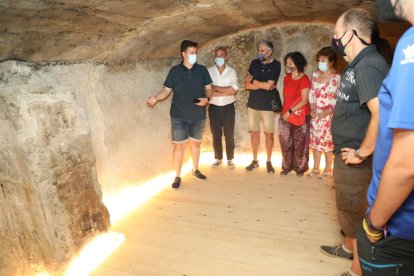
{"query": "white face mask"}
[(192, 59), (323, 66), (219, 61), (290, 69)]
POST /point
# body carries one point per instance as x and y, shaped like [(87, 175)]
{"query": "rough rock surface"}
[(50, 200), (95, 30)]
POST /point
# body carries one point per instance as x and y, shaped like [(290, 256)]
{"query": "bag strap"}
[(297, 87)]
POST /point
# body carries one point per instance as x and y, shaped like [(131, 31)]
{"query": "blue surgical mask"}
[(261, 57), (192, 59), (219, 61), (323, 66)]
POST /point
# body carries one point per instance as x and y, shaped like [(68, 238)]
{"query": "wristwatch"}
[(290, 111), (359, 156)]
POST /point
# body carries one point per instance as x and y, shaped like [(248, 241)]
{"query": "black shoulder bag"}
[(276, 102)]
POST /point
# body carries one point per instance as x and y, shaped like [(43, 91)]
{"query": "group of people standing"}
[(346, 118), (196, 87), (313, 99)]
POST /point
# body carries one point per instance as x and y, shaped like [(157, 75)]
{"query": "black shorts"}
[(389, 256)]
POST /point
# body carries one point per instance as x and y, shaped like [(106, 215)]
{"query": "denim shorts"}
[(182, 130)]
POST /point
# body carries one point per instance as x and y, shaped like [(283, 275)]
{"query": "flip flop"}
[(314, 173), (324, 176)]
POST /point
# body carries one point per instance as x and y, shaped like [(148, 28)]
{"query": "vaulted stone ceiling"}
[(116, 30)]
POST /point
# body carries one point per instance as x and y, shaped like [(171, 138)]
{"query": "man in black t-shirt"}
[(354, 126), (261, 81), (191, 86)]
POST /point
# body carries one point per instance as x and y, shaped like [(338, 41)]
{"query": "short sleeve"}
[(170, 80), (368, 81), (233, 80), (276, 73), (334, 87), (400, 85), (314, 76), (251, 68), (206, 77), (332, 90), (304, 83)]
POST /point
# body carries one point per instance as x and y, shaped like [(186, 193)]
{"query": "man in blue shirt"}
[(191, 86), (386, 239)]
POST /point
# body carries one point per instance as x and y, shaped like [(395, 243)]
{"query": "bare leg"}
[(329, 161), (269, 145), (178, 155), (316, 159), (195, 153), (348, 243), (356, 266), (255, 141)]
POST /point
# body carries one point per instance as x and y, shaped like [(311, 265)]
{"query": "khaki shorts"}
[(351, 185), (267, 118)]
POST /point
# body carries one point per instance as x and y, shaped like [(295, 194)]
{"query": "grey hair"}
[(268, 44), (360, 20)]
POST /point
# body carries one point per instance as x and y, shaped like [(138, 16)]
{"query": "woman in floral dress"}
[(322, 99)]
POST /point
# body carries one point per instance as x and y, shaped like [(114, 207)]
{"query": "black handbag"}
[(276, 102)]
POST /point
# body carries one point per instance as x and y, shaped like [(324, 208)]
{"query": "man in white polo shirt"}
[(221, 110)]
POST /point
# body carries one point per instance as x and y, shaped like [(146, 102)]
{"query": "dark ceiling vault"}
[(108, 31)]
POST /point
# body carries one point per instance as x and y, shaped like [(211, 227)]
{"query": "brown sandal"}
[(324, 176), (314, 173)]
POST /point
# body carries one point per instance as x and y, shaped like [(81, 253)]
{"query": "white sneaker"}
[(216, 163), (231, 164)]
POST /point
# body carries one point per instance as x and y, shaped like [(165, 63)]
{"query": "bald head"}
[(359, 20)]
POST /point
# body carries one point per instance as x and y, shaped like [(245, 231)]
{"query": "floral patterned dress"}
[(322, 96)]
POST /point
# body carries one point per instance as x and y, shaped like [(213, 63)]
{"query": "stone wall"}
[(50, 200), (64, 127), (127, 136)]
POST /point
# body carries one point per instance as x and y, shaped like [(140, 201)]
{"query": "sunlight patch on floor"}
[(133, 195), (119, 205), (95, 253)]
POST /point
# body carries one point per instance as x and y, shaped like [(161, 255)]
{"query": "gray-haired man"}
[(261, 81)]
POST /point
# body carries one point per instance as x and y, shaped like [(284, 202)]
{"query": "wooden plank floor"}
[(235, 223)]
